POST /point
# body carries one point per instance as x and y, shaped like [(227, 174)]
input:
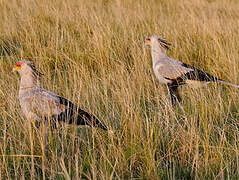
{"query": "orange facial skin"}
[(17, 66)]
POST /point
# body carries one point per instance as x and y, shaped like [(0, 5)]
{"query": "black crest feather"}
[(164, 43), (36, 72)]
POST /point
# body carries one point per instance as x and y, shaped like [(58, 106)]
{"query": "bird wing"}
[(171, 69), (50, 105), (46, 104), (174, 70)]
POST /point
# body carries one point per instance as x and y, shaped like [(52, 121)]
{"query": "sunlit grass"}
[(91, 52)]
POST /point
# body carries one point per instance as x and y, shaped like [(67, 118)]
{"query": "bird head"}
[(26, 67), (157, 41)]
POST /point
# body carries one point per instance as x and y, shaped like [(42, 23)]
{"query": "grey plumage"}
[(40, 104), (173, 72)]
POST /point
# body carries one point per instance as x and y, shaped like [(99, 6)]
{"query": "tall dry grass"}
[(91, 52)]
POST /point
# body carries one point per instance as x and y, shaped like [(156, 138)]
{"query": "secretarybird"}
[(174, 73), (40, 104)]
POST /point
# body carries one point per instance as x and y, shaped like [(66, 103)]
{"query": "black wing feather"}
[(75, 115), (198, 75)]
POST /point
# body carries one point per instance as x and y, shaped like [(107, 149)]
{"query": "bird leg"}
[(173, 90)]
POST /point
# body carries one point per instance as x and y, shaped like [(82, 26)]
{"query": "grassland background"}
[(91, 52)]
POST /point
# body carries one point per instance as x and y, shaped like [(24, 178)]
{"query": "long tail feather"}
[(75, 115), (84, 118), (228, 83)]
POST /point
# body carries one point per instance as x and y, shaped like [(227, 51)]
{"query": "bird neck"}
[(158, 53), (28, 81)]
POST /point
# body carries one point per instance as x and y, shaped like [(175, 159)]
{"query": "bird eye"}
[(18, 64), (147, 39)]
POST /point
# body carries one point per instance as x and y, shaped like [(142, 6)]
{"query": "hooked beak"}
[(15, 68), (145, 45)]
